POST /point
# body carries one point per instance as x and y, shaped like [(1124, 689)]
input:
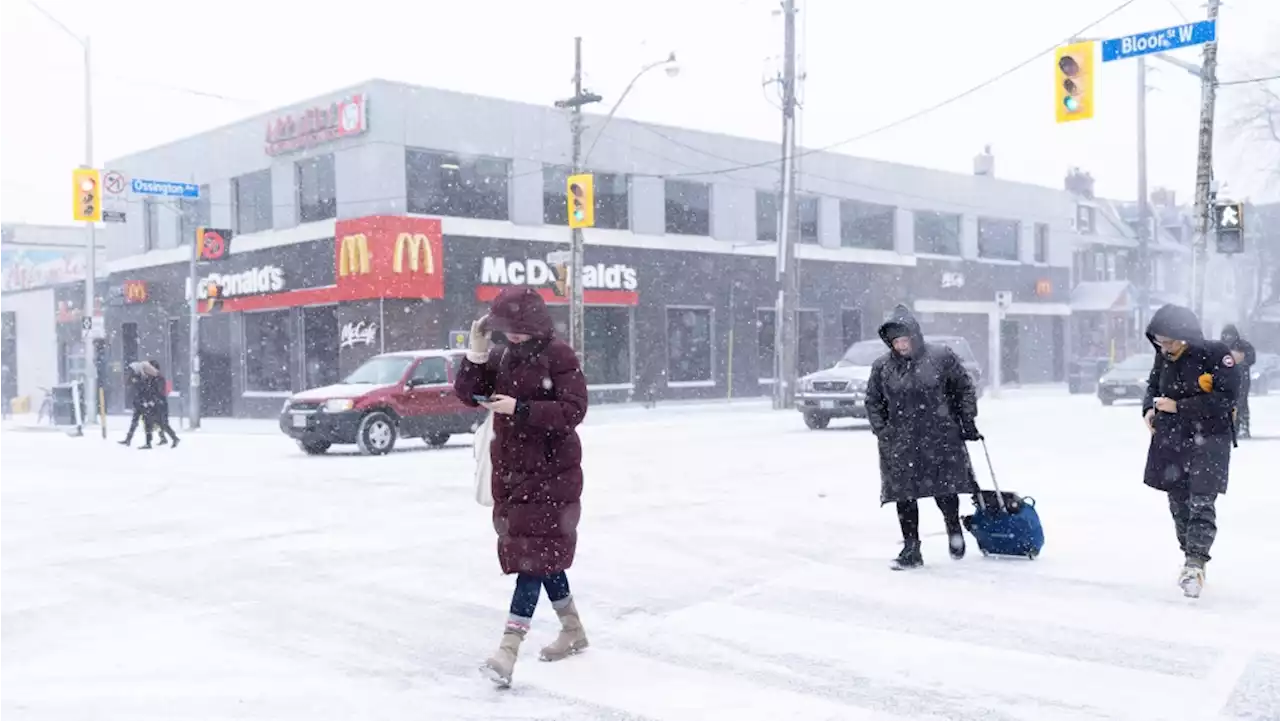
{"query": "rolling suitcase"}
[(1004, 523)]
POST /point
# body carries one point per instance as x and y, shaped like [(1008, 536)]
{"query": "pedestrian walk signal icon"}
[(1073, 82), (1229, 222), (581, 194), (87, 195)]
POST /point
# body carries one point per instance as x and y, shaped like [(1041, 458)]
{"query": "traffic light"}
[(1073, 82), (1228, 220), (86, 188), (582, 200)]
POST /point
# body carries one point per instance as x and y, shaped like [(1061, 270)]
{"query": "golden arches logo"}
[(353, 255), (412, 242)]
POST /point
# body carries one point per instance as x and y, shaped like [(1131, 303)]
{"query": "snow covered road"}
[(731, 565)]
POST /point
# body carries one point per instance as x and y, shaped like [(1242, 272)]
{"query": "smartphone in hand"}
[(482, 399)]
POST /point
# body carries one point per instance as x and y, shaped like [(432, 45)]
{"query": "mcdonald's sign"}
[(416, 245), (353, 255), (135, 291)]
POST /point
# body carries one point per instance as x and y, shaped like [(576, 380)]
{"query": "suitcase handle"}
[(999, 496)]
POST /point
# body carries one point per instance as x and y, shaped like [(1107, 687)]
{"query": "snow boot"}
[(572, 638), (1192, 579), (955, 540), (499, 667), (909, 558)]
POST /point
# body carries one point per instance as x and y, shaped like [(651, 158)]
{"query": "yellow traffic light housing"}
[(581, 194), (1073, 82), (86, 188)]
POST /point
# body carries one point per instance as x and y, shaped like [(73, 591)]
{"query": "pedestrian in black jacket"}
[(922, 408), (1245, 356), (136, 381), (1190, 395), (156, 404)]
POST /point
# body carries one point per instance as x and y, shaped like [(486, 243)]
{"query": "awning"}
[(1096, 296)]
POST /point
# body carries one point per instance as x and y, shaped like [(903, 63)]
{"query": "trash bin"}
[(64, 397), (1083, 374)]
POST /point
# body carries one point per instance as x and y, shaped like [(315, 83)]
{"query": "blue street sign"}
[(1158, 41), (165, 188)]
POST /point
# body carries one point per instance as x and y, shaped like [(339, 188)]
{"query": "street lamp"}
[(671, 67), (91, 270)]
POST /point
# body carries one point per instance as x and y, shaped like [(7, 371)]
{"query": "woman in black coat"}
[(922, 408)]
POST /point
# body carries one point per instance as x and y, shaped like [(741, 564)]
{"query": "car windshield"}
[(863, 353), (1135, 363), (380, 371), (959, 345)]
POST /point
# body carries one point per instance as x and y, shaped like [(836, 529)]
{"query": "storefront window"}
[(997, 238), (767, 209), (688, 207), (766, 338), (151, 213), (611, 198), (179, 342), (607, 332), (251, 194), (320, 337), (462, 186), (267, 340), (689, 346), (937, 233), (193, 213), (866, 225), (317, 188), (807, 342)]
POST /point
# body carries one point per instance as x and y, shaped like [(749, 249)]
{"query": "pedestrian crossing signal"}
[(581, 195), (1073, 82)]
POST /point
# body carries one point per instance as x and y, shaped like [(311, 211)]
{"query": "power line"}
[(1264, 79), (931, 108)]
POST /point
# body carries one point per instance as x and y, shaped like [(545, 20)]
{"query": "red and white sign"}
[(113, 182), (1228, 361), (318, 125), (602, 284)]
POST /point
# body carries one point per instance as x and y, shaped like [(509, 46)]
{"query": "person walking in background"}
[(156, 406), (922, 408), (1245, 356), (534, 386), (135, 381), (1190, 395)]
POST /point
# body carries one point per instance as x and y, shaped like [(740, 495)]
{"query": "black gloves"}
[(969, 431)]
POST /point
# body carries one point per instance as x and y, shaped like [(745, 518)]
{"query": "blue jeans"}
[(528, 588)]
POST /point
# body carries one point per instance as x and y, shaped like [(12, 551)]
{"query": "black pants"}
[(138, 414), (909, 516), (1195, 520), (1242, 417), (528, 587), (158, 417)]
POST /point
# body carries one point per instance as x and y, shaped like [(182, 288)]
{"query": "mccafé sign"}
[(500, 271)]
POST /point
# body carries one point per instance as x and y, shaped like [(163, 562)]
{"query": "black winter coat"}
[(1192, 447), (917, 406), (1232, 338)]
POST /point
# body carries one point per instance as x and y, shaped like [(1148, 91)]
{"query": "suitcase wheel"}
[(986, 553), (1032, 554)]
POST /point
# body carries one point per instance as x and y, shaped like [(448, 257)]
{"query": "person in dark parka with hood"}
[(1190, 395), (922, 408), (1245, 356), (538, 395)]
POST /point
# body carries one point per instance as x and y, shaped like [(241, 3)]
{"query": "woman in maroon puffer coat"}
[(538, 395)]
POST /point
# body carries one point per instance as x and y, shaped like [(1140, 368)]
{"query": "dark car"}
[(393, 395), (840, 391), (1127, 380)]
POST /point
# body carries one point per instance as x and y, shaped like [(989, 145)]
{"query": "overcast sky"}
[(165, 70)]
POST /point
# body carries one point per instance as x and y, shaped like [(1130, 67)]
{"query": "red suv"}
[(392, 395)]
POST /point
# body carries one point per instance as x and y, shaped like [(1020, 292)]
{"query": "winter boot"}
[(572, 638), (499, 667), (909, 558), (1192, 579), (955, 540)]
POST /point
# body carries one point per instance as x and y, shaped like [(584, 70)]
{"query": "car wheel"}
[(377, 434), (1108, 401), (816, 421), (435, 440), (314, 448)]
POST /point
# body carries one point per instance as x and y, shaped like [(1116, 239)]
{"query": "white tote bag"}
[(484, 464)]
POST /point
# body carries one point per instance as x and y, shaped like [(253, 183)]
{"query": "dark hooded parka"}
[(1190, 449), (919, 406), (1231, 337), (537, 458)]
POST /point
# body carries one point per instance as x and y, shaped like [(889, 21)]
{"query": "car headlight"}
[(1255, 375), (338, 405)]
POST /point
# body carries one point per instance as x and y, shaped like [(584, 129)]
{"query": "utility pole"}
[(91, 253), (1144, 210), (577, 250), (1204, 167), (785, 338)]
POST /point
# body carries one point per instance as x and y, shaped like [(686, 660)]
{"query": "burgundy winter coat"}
[(537, 458)]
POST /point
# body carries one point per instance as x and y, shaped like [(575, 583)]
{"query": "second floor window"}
[(612, 200), (193, 213), (997, 238), (251, 194), (1042, 243), (463, 186), (937, 233), (688, 207), (768, 216), (317, 188), (151, 214), (866, 225)]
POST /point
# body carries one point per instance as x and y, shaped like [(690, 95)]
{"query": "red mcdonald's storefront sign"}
[(378, 256)]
